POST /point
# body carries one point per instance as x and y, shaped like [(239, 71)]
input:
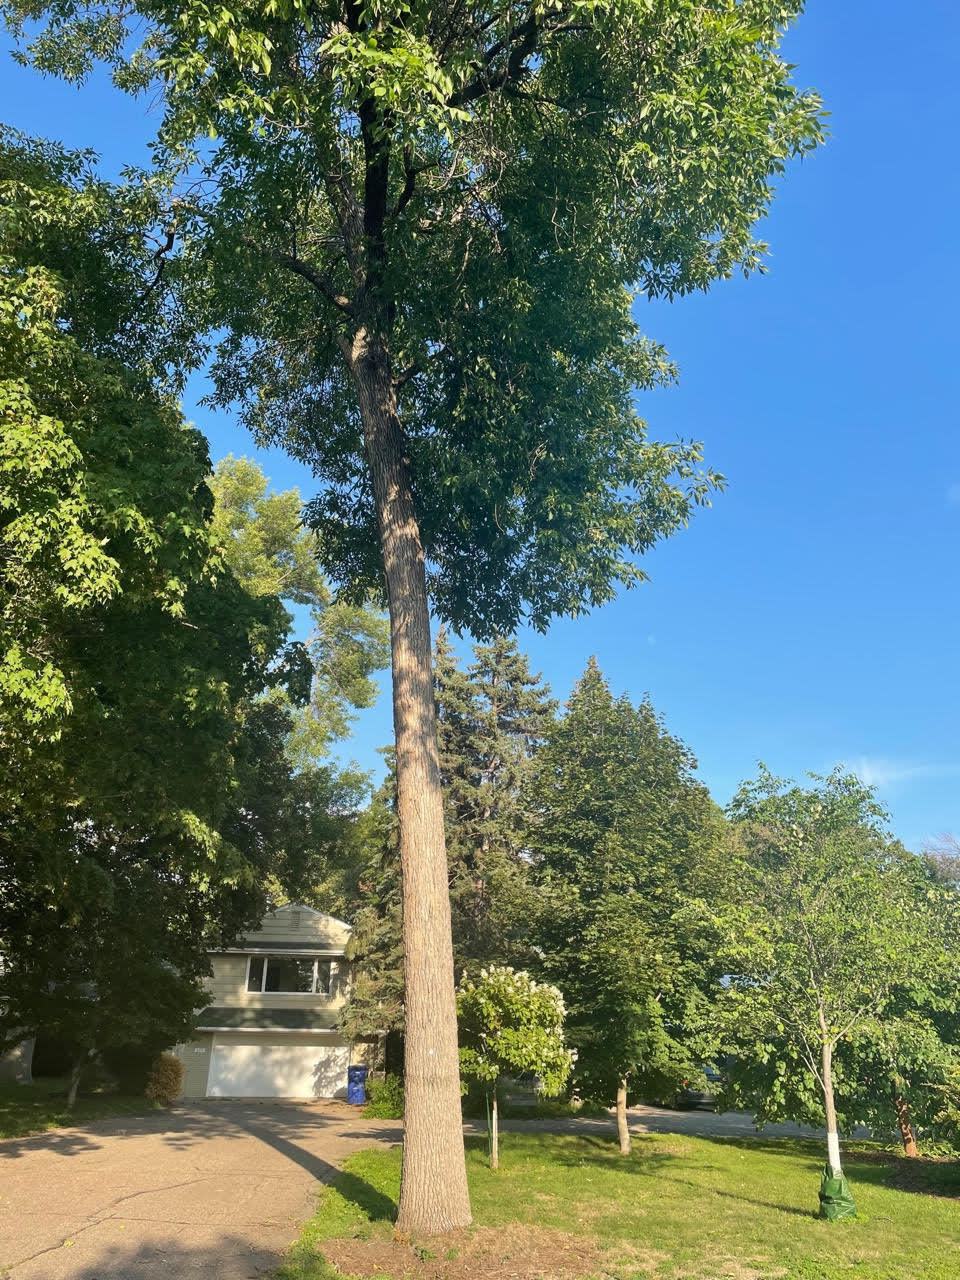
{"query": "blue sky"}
[(811, 616)]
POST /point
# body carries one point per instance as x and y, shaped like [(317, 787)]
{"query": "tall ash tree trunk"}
[(433, 1193), (433, 1189)]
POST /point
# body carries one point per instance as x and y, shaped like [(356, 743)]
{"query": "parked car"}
[(692, 1094)]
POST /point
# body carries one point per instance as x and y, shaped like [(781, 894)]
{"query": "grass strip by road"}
[(681, 1208), (27, 1109)]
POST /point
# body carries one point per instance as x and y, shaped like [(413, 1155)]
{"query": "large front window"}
[(288, 974)]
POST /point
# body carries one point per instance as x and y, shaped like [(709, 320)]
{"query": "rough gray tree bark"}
[(433, 1190)]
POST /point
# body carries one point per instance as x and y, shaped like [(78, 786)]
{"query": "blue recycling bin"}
[(357, 1085)]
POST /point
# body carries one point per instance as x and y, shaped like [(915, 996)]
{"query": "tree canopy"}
[(147, 693), (628, 850), (481, 186), (262, 538), (832, 926), (511, 1025)]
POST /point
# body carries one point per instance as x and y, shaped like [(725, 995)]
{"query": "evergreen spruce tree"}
[(627, 846), (491, 719), (376, 946)]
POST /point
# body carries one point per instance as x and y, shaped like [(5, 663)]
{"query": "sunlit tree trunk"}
[(494, 1130), (623, 1129), (905, 1125), (433, 1193), (829, 1109), (75, 1072)]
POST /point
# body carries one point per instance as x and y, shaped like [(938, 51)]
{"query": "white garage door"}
[(246, 1067)]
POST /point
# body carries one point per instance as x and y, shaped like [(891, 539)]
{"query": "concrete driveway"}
[(211, 1190)]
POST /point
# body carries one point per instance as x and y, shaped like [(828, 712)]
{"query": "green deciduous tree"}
[(896, 1069), (628, 848), (831, 928), (420, 228), (263, 540), (147, 696), (83, 515), (129, 657), (314, 803), (510, 1024)]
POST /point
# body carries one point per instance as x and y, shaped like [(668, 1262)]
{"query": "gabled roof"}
[(295, 927), (307, 911)]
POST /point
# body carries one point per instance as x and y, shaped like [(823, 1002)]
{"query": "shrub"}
[(130, 1065), (165, 1082), (385, 1098)]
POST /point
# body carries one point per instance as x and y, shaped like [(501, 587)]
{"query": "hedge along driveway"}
[(214, 1190)]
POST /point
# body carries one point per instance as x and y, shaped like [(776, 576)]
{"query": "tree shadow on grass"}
[(877, 1168), (374, 1204), (662, 1166), (751, 1200), (646, 1155)]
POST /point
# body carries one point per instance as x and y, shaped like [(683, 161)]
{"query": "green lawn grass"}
[(679, 1208), (34, 1108)]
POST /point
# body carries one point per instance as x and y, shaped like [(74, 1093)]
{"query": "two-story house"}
[(271, 1028)]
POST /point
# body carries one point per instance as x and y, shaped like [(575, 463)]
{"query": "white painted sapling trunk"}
[(830, 1110), (494, 1131)]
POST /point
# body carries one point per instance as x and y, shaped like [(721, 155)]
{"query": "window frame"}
[(266, 957)]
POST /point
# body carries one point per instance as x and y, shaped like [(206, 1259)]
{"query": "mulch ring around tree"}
[(504, 1253)]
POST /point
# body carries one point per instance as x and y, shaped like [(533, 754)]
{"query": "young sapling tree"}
[(826, 933), (509, 1025)]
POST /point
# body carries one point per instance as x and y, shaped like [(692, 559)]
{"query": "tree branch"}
[(410, 173), (521, 41), (320, 282)]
